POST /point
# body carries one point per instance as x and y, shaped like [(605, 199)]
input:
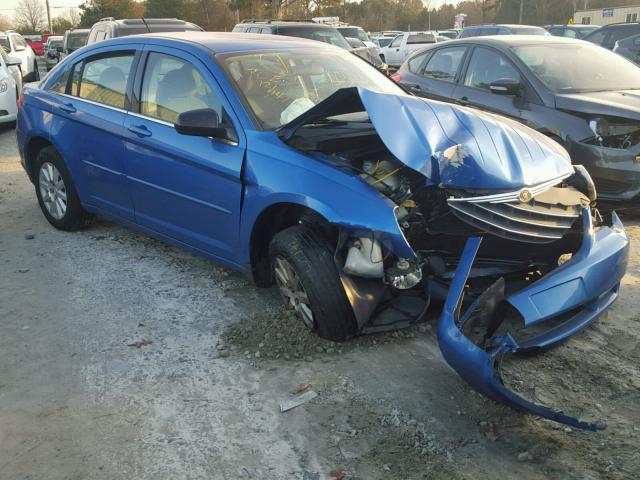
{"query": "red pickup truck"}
[(37, 42)]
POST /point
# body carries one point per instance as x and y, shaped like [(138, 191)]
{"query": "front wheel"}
[(56, 193), (308, 280)]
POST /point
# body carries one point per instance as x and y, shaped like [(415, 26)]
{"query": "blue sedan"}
[(298, 163)]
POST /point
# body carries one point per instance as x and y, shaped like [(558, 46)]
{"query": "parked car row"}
[(14, 44)]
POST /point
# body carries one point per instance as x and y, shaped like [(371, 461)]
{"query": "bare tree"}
[(5, 23), (30, 16), (72, 15)]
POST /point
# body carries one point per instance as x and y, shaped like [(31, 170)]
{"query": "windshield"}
[(577, 68), (55, 43), (279, 86), (354, 32), (326, 35), (384, 41)]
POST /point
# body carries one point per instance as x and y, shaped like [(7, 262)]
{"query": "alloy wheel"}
[(292, 291), (53, 191)]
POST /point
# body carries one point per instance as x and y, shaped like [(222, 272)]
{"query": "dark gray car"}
[(581, 95), (629, 48)]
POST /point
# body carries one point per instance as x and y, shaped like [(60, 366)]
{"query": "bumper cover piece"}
[(587, 284)]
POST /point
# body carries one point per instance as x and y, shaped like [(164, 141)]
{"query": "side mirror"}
[(203, 122), (59, 49), (506, 86), (14, 60)]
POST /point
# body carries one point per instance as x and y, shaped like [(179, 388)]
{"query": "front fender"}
[(276, 173)]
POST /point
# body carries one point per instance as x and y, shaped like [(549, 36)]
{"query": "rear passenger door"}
[(436, 78), (89, 104), (184, 187)]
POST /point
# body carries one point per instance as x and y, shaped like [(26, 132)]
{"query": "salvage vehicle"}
[(298, 163), (580, 95)]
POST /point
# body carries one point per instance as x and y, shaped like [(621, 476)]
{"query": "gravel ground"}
[(122, 357)]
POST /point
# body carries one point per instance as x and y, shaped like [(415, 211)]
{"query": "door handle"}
[(67, 107), (417, 88), (140, 130), (464, 101)]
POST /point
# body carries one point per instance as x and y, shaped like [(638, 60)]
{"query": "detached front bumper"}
[(585, 285)]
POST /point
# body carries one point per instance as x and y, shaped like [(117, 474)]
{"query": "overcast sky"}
[(7, 7)]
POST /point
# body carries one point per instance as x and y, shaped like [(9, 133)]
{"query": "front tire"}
[(304, 270), (56, 193)]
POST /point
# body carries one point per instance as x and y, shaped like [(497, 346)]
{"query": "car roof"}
[(507, 25), (224, 42), (516, 40)]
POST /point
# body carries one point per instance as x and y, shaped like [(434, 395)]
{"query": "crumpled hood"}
[(623, 103), (451, 145)]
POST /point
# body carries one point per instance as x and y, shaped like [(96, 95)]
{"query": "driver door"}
[(187, 188), (486, 66)]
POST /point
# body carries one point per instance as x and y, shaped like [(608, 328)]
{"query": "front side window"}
[(172, 86), (279, 86), (396, 41), (487, 66), (60, 84), (104, 80), (444, 64), (4, 43)]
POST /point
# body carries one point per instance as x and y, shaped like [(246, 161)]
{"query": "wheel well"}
[(274, 219), (31, 152)]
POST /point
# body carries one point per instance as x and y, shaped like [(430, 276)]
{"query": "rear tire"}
[(56, 193), (317, 280), (36, 71)]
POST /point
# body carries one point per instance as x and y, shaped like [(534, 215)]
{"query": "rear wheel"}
[(36, 71), (309, 283), (56, 193)]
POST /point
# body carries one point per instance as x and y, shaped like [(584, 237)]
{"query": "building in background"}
[(607, 16)]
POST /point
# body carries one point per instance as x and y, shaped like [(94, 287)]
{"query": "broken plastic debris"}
[(297, 401), (301, 388)]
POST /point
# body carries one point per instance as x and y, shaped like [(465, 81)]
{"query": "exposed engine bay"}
[(613, 132), (527, 232)]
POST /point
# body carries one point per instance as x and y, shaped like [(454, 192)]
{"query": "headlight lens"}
[(4, 85)]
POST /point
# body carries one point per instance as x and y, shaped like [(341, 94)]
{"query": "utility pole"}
[(49, 16), (521, 8)]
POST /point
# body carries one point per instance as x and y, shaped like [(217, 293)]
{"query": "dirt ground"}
[(201, 401)]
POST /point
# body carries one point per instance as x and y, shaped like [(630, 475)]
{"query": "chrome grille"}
[(542, 219)]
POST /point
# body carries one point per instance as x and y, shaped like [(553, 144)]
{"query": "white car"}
[(10, 86), (404, 44), (352, 31), (15, 45)]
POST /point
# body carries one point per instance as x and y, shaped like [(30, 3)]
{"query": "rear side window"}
[(172, 86), (415, 38), (104, 79), (444, 64)]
